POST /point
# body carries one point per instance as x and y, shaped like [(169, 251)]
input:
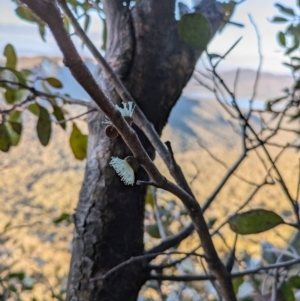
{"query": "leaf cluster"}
[(20, 96)]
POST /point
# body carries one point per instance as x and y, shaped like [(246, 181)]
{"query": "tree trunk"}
[(145, 51)]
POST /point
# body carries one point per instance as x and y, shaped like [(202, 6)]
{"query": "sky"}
[(24, 36)]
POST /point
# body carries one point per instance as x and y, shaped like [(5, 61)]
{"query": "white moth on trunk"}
[(123, 169)]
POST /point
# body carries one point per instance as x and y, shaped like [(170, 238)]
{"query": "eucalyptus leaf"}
[(149, 197), (194, 30), (12, 75), (10, 96), (16, 116), (43, 126), (5, 141), (294, 282), (11, 57), (34, 109), (254, 221), (16, 126), (104, 35), (14, 135), (287, 292), (26, 14), (78, 143), (286, 10), (279, 20), (59, 115), (281, 38), (237, 282), (153, 230), (63, 217), (87, 22), (54, 82)]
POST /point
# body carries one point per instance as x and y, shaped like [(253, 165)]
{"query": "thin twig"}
[(258, 71), (75, 117), (233, 275)]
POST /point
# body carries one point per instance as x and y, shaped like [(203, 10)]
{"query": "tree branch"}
[(284, 264), (51, 15), (37, 93)]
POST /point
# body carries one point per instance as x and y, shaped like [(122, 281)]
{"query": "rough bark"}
[(145, 51)]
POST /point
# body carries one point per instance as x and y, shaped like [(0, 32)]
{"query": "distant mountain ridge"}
[(196, 116)]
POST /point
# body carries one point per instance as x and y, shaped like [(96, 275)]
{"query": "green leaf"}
[(43, 126), (153, 230), (27, 15), (194, 30), (54, 82), (18, 275), (294, 67), (287, 292), (281, 38), (254, 221), (279, 20), (14, 130), (16, 116), (47, 90), (104, 35), (34, 109), (26, 72), (5, 142), (59, 115), (66, 22), (78, 143), (17, 127), (286, 10), (11, 57), (63, 217), (237, 282), (211, 221), (149, 197), (42, 31), (294, 282), (12, 75), (10, 96), (87, 22)]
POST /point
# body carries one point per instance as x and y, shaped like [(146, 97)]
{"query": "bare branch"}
[(36, 93), (172, 241), (140, 258), (284, 264), (75, 117), (258, 71), (223, 182), (224, 164)]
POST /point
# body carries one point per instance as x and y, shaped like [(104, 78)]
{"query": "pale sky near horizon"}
[(24, 36)]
